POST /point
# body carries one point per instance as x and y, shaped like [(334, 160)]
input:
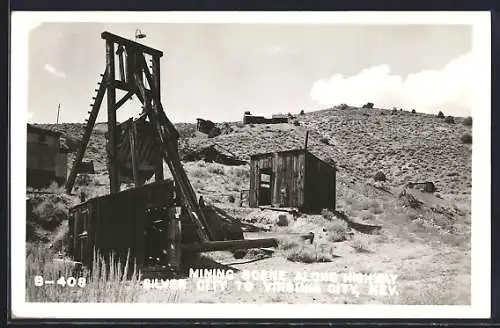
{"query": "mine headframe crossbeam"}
[(131, 72)]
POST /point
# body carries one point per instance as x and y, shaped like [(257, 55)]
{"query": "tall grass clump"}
[(107, 281)]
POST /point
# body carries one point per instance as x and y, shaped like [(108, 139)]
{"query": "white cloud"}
[(52, 70), (449, 89)]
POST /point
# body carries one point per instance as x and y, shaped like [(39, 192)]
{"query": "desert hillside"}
[(424, 237), (405, 146)]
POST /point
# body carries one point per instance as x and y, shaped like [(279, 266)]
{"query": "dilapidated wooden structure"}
[(215, 153), (428, 186), (294, 178), (204, 126), (47, 158), (153, 220), (116, 223)]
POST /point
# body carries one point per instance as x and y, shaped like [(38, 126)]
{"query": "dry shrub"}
[(368, 105), (240, 172), (286, 243), (50, 214), (327, 214), (200, 172), (324, 141), (337, 230), (380, 176), (466, 138), (343, 106), (216, 169), (309, 253), (409, 200), (361, 244), (440, 114), (449, 119)]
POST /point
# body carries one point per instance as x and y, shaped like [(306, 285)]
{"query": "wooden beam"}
[(174, 247), (119, 52), (307, 139), (157, 95), (137, 47), (156, 102), (124, 99), (133, 153), (227, 245), (87, 133), (114, 179), (168, 144)]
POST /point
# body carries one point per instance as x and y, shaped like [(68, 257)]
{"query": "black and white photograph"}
[(242, 164)]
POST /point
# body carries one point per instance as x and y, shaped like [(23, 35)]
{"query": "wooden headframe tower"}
[(136, 79)]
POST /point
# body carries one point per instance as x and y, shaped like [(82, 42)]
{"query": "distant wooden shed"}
[(293, 178)]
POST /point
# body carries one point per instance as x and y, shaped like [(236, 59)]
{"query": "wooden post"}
[(111, 92), (119, 52), (305, 191), (88, 131), (178, 240), (307, 139), (133, 153), (172, 240), (58, 109), (156, 80)]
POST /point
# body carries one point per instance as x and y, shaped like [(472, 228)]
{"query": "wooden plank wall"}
[(116, 222), (288, 174), (320, 185)]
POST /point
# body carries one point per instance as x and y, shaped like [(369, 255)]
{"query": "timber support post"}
[(112, 142)]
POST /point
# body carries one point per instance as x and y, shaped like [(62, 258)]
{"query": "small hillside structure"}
[(214, 153), (47, 159), (204, 126), (294, 178), (275, 119)]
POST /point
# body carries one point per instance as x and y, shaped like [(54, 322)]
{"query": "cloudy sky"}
[(217, 71)]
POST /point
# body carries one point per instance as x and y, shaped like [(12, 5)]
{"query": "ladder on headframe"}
[(132, 70)]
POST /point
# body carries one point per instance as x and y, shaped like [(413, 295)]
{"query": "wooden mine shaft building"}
[(152, 221), (46, 158), (293, 178)]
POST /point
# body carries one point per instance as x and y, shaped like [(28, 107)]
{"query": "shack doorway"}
[(265, 186)]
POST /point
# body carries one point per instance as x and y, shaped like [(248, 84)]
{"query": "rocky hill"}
[(405, 146), (424, 237)]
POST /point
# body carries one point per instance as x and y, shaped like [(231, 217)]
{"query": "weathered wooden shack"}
[(128, 220), (294, 178), (204, 126), (47, 159)]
